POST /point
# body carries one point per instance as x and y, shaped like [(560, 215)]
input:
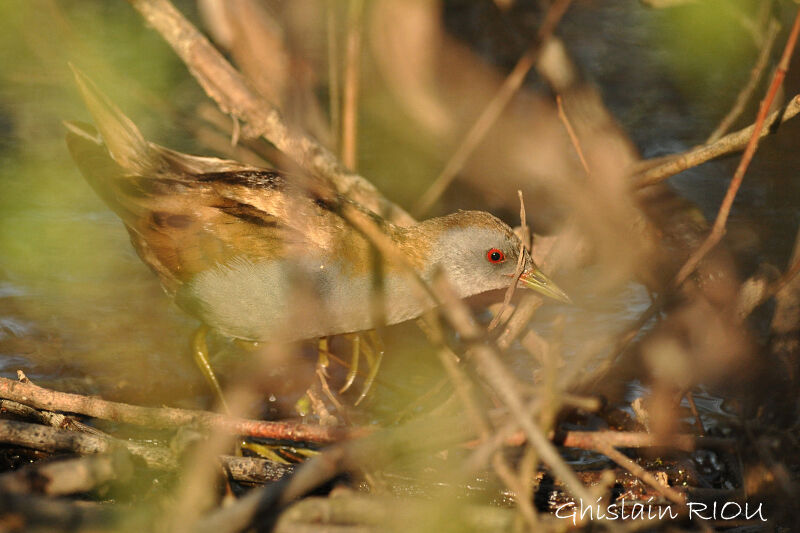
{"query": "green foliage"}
[(52, 226), (707, 42)]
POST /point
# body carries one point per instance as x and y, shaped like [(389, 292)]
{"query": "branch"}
[(750, 86), (652, 171), (493, 109), (35, 396), (718, 229), (234, 96)]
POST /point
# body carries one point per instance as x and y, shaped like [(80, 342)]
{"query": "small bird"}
[(238, 246)]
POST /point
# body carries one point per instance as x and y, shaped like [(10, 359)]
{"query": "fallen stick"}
[(69, 476), (49, 439), (254, 469), (26, 512), (79, 475), (167, 417)]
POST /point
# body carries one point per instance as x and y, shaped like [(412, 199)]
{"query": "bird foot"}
[(200, 355), (369, 344), (278, 453), (373, 352)]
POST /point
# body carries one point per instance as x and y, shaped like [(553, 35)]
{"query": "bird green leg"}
[(200, 355), (323, 361), (373, 362), (356, 355), (308, 403)]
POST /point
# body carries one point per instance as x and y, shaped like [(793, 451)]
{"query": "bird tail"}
[(158, 193), (123, 140), (115, 158)]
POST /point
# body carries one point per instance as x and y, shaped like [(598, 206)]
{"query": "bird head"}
[(478, 253)]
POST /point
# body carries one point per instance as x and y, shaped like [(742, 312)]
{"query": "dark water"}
[(79, 311)]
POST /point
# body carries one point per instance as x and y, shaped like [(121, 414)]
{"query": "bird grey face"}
[(480, 258)]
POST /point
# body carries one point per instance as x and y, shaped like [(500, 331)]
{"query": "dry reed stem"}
[(334, 100), (493, 109), (718, 230), (478, 416), (571, 132), (589, 440), (352, 73), (51, 439)]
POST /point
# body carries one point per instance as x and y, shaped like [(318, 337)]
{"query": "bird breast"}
[(291, 300)]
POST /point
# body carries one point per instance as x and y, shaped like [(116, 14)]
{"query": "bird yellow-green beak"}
[(533, 278)]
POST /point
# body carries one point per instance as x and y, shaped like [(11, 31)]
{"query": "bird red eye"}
[(495, 256)]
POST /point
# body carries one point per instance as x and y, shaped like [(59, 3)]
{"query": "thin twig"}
[(698, 421), (334, 101), (750, 86), (718, 230), (477, 416), (784, 280), (652, 171), (235, 96), (635, 469), (571, 132), (524, 238), (493, 109)]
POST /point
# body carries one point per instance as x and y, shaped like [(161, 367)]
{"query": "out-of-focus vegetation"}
[(80, 312)]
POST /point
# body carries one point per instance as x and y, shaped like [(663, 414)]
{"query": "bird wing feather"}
[(186, 214)]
